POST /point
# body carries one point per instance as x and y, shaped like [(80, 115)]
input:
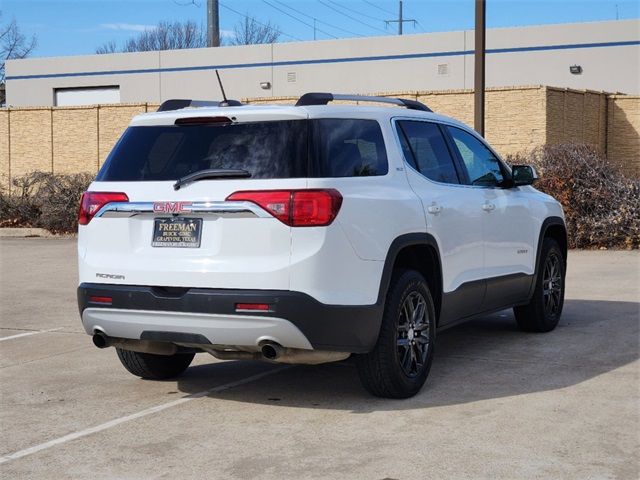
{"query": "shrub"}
[(44, 200), (601, 204)]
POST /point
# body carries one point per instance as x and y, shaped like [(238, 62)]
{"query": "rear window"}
[(277, 149)]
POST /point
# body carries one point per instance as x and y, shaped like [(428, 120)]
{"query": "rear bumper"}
[(295, 319)]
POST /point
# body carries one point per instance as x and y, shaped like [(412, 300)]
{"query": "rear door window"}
[(348, 148), (426, 150)]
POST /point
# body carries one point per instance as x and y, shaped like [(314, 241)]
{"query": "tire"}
[(396, 368), (154, 367), (543, 312)]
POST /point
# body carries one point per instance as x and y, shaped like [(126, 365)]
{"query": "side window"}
[(425, 148), (348, 148), (482, 165)]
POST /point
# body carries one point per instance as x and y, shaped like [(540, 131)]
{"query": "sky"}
[(77, 27)]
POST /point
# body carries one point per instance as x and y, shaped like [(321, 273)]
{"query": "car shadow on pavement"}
[(483, 359)]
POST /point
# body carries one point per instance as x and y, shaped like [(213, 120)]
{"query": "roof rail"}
[(179, 104), (317, 98)]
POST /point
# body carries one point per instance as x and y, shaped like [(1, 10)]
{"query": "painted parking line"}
[(26, 334), (134, 416)]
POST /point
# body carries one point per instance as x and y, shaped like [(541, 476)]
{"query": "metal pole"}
[(400, 22), (213, 24), (314, 28), (479, 70)]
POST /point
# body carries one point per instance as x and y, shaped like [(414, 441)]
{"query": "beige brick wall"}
[(576, 116), (30, 141), (623, 139), (75, 140)]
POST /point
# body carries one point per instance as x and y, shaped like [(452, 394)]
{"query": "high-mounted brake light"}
[(203, 121), (296, 208), (92, 202)]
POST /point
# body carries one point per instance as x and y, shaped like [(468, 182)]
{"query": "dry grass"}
[(44, 200)]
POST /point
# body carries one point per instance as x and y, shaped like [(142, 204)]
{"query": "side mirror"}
[(523, 175)]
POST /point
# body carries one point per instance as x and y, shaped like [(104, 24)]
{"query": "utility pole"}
[(213, 24), (400, 21), (479, 70)]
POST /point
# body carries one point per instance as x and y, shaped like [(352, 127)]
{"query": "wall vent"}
[(443, 69), (291, 77)]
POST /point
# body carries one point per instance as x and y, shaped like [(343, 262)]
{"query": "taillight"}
[(296, 208), (92, 202)]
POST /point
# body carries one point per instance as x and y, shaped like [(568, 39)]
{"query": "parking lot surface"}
[(499, 403)]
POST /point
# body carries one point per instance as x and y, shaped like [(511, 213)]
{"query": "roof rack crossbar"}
[(180, 103), (318, 98)]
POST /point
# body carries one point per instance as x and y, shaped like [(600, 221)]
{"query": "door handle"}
[(434, 208), (487, 207)]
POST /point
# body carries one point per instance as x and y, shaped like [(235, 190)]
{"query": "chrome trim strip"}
[(221, 209)]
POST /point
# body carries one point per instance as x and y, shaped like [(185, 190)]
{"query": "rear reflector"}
[(97, 299), (92, 202), (296, 208), (259, 307)]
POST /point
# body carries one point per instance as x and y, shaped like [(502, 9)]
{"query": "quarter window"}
[(348, 148), (426, 150), (482, 165)]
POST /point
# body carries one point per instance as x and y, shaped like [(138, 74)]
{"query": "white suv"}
[(307, 233)]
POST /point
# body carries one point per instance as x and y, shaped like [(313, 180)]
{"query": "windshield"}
[(274, 149)]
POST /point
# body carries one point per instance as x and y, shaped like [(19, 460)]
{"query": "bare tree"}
[(13, 44), (109, 47), (249, 31), (164, 36)]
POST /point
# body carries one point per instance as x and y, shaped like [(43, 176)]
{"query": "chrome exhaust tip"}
[(271, 351), (100, 340)]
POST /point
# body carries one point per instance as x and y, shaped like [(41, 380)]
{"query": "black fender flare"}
[(403, 241), (546, 224)]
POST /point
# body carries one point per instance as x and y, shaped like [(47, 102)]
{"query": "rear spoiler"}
[(179, 104)]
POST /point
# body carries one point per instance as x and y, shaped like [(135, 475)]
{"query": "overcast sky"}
[(79, 26)]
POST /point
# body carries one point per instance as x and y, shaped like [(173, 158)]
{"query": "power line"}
[(297, 19), (317, 20), (259, 23), (377, 19), (352, 18), (379, 8), (416, 22)]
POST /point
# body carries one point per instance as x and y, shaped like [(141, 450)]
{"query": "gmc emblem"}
[(171, 207)]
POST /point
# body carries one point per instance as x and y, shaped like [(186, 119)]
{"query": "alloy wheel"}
[(552, 285), (413, 334)]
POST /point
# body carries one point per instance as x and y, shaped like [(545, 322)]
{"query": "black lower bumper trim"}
[(343, 328)]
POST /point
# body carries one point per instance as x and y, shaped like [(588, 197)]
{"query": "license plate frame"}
[(189, 235)]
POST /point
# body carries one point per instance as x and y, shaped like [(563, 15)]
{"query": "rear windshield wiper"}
[(210, 173)]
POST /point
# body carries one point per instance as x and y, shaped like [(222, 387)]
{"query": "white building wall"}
[(608, 52)]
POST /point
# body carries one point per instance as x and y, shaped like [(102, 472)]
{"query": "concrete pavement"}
[(499, 403)]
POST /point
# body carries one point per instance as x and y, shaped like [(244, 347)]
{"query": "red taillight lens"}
[(92, 202), (276, 202), (296, 208)]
